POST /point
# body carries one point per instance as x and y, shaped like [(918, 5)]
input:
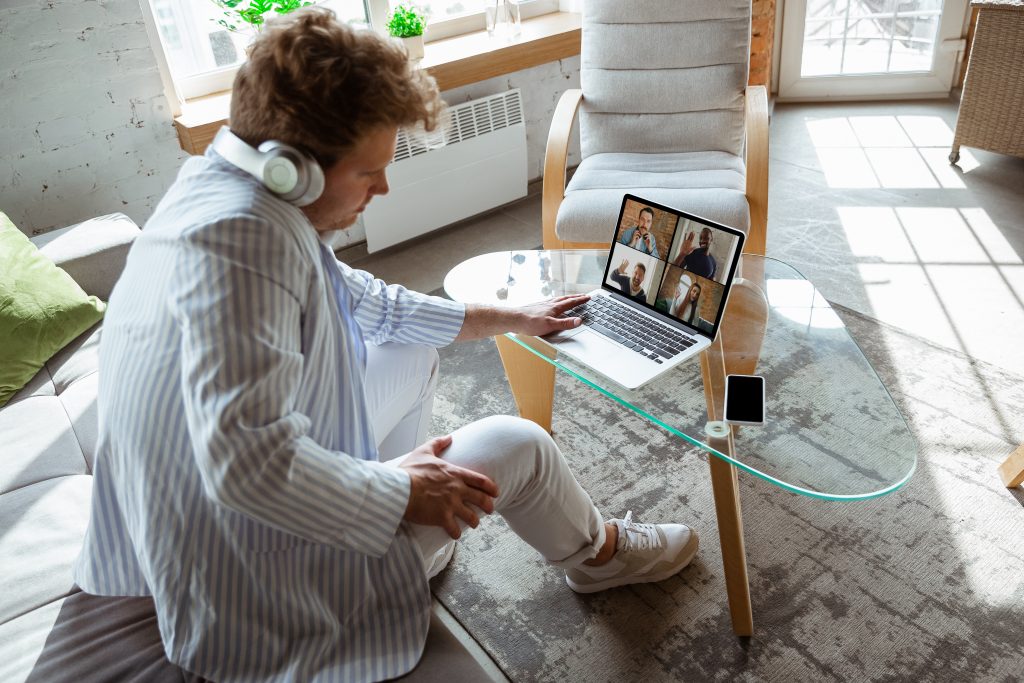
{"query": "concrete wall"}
[(86, 130), (84, 126)]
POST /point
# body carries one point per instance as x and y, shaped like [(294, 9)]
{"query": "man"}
[(262, 466), (697, 260), (633, 287), (639, 236)]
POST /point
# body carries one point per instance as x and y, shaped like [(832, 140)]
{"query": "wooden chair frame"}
[(755, 158)]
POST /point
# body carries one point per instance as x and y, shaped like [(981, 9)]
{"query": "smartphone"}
[(744, 399)]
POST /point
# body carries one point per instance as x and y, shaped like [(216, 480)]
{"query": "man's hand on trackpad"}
[(545, 317)]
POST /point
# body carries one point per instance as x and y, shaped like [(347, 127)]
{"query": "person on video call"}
[(639, 236), (262, 468), (633, 287), (696, 258), (685, 303)]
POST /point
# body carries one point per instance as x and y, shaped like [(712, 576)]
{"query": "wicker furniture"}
[(993, 95)]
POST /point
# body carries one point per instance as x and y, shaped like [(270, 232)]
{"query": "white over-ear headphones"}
[(289, 173)]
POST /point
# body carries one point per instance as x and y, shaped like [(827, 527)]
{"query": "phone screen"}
[(745, 399)]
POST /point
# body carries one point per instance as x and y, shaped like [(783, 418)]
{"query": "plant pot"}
[(413, 46)]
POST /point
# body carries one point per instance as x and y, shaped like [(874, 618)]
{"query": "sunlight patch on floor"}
[(941, 235), (902, 295), (874, 233), (945, 274), (898, 152)]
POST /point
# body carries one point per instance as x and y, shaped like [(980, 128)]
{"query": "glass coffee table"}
[(832, 429)]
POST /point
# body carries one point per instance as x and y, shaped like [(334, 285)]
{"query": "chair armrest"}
[(555, 157), (93, 253), (756, 153)]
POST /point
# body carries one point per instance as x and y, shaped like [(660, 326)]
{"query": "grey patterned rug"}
[(924, 584)]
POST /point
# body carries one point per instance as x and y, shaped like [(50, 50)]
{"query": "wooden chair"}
[(664, 113)]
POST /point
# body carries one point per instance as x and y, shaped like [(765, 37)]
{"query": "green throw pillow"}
[(41, 309)]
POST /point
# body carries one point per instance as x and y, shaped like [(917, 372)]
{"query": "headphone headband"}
[(289, 173)]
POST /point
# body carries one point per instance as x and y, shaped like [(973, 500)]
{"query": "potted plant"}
[(250, 13), (406, 24)]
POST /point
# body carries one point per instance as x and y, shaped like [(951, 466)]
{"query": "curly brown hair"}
[(316, 83)]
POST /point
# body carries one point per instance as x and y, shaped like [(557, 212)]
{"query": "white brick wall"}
[(86, 130), (84, 125)]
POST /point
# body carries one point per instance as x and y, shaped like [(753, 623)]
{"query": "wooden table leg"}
[(1012, 469), (730, 536), (532, 379), (725, 485)]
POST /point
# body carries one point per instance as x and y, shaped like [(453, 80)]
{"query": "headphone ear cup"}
[(293, 175), (280, 175), (316, 184)]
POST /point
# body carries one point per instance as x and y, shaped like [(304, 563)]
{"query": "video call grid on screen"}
[(685, 263)]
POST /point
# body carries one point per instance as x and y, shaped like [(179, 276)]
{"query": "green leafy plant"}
[(406, 21), (252, 12)]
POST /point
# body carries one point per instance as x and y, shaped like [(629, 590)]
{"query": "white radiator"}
[(474, 162)]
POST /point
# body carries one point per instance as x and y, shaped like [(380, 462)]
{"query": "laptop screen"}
[(675, 263)]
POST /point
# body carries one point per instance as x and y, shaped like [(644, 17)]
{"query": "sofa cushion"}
[(77, 360), (92, 252), (39, 443), (42, 529), (42, 309), (708, 184), (79, 402), (87, 639), (80, 358), (55, 432), (92, 639)]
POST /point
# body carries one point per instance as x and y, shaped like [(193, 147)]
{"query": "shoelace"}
[(638, 536)]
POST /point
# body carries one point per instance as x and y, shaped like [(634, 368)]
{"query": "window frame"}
[(180, 90)]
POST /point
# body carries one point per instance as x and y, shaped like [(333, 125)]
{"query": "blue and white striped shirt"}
[(236, 479)]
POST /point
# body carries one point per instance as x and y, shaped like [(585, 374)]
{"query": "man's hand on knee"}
[(442, 493)]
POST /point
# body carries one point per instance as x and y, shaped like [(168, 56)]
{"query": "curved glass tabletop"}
[(832, 430)]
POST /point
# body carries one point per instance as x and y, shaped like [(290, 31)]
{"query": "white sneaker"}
[(644, 553)]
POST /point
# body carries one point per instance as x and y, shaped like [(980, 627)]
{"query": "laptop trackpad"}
[(585, 344)]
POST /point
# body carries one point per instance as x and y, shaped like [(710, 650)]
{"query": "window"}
[(203, 42), (202, 50)]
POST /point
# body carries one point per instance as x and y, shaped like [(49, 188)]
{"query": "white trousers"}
[(538, 496)]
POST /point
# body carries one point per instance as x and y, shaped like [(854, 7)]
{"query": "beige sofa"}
[(49, 629)]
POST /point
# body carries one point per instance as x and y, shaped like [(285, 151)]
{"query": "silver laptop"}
[(663, 295)]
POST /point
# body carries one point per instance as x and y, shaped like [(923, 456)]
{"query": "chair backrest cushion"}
[(664, 75)]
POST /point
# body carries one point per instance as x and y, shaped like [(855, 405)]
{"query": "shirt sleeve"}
[(621, 280), (392, 313), (238, 298)]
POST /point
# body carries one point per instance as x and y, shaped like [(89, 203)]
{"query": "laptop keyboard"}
[(637, 332)]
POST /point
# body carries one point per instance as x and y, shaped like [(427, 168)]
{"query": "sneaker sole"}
[(688, 552)]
